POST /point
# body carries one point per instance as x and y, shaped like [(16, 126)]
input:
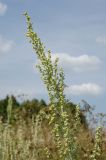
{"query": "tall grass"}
[(37, 139)]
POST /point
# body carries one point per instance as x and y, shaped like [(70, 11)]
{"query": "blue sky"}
[(74, 30)]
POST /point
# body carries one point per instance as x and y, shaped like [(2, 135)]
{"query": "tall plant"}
[(53, 77), (9, 109)]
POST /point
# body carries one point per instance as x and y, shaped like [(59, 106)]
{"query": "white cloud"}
[(84, 89), (5, 45), (78, 64), (101, 39), (3, 8)]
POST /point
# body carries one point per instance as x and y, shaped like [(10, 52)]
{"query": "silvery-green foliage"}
[(96, 154), (53, 78)]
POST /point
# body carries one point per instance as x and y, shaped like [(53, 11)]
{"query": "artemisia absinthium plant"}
[(53, 78)]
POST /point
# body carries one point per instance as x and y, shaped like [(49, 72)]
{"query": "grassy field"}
[(30, 137)]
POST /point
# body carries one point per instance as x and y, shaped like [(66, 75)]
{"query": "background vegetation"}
[(28, 134)]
